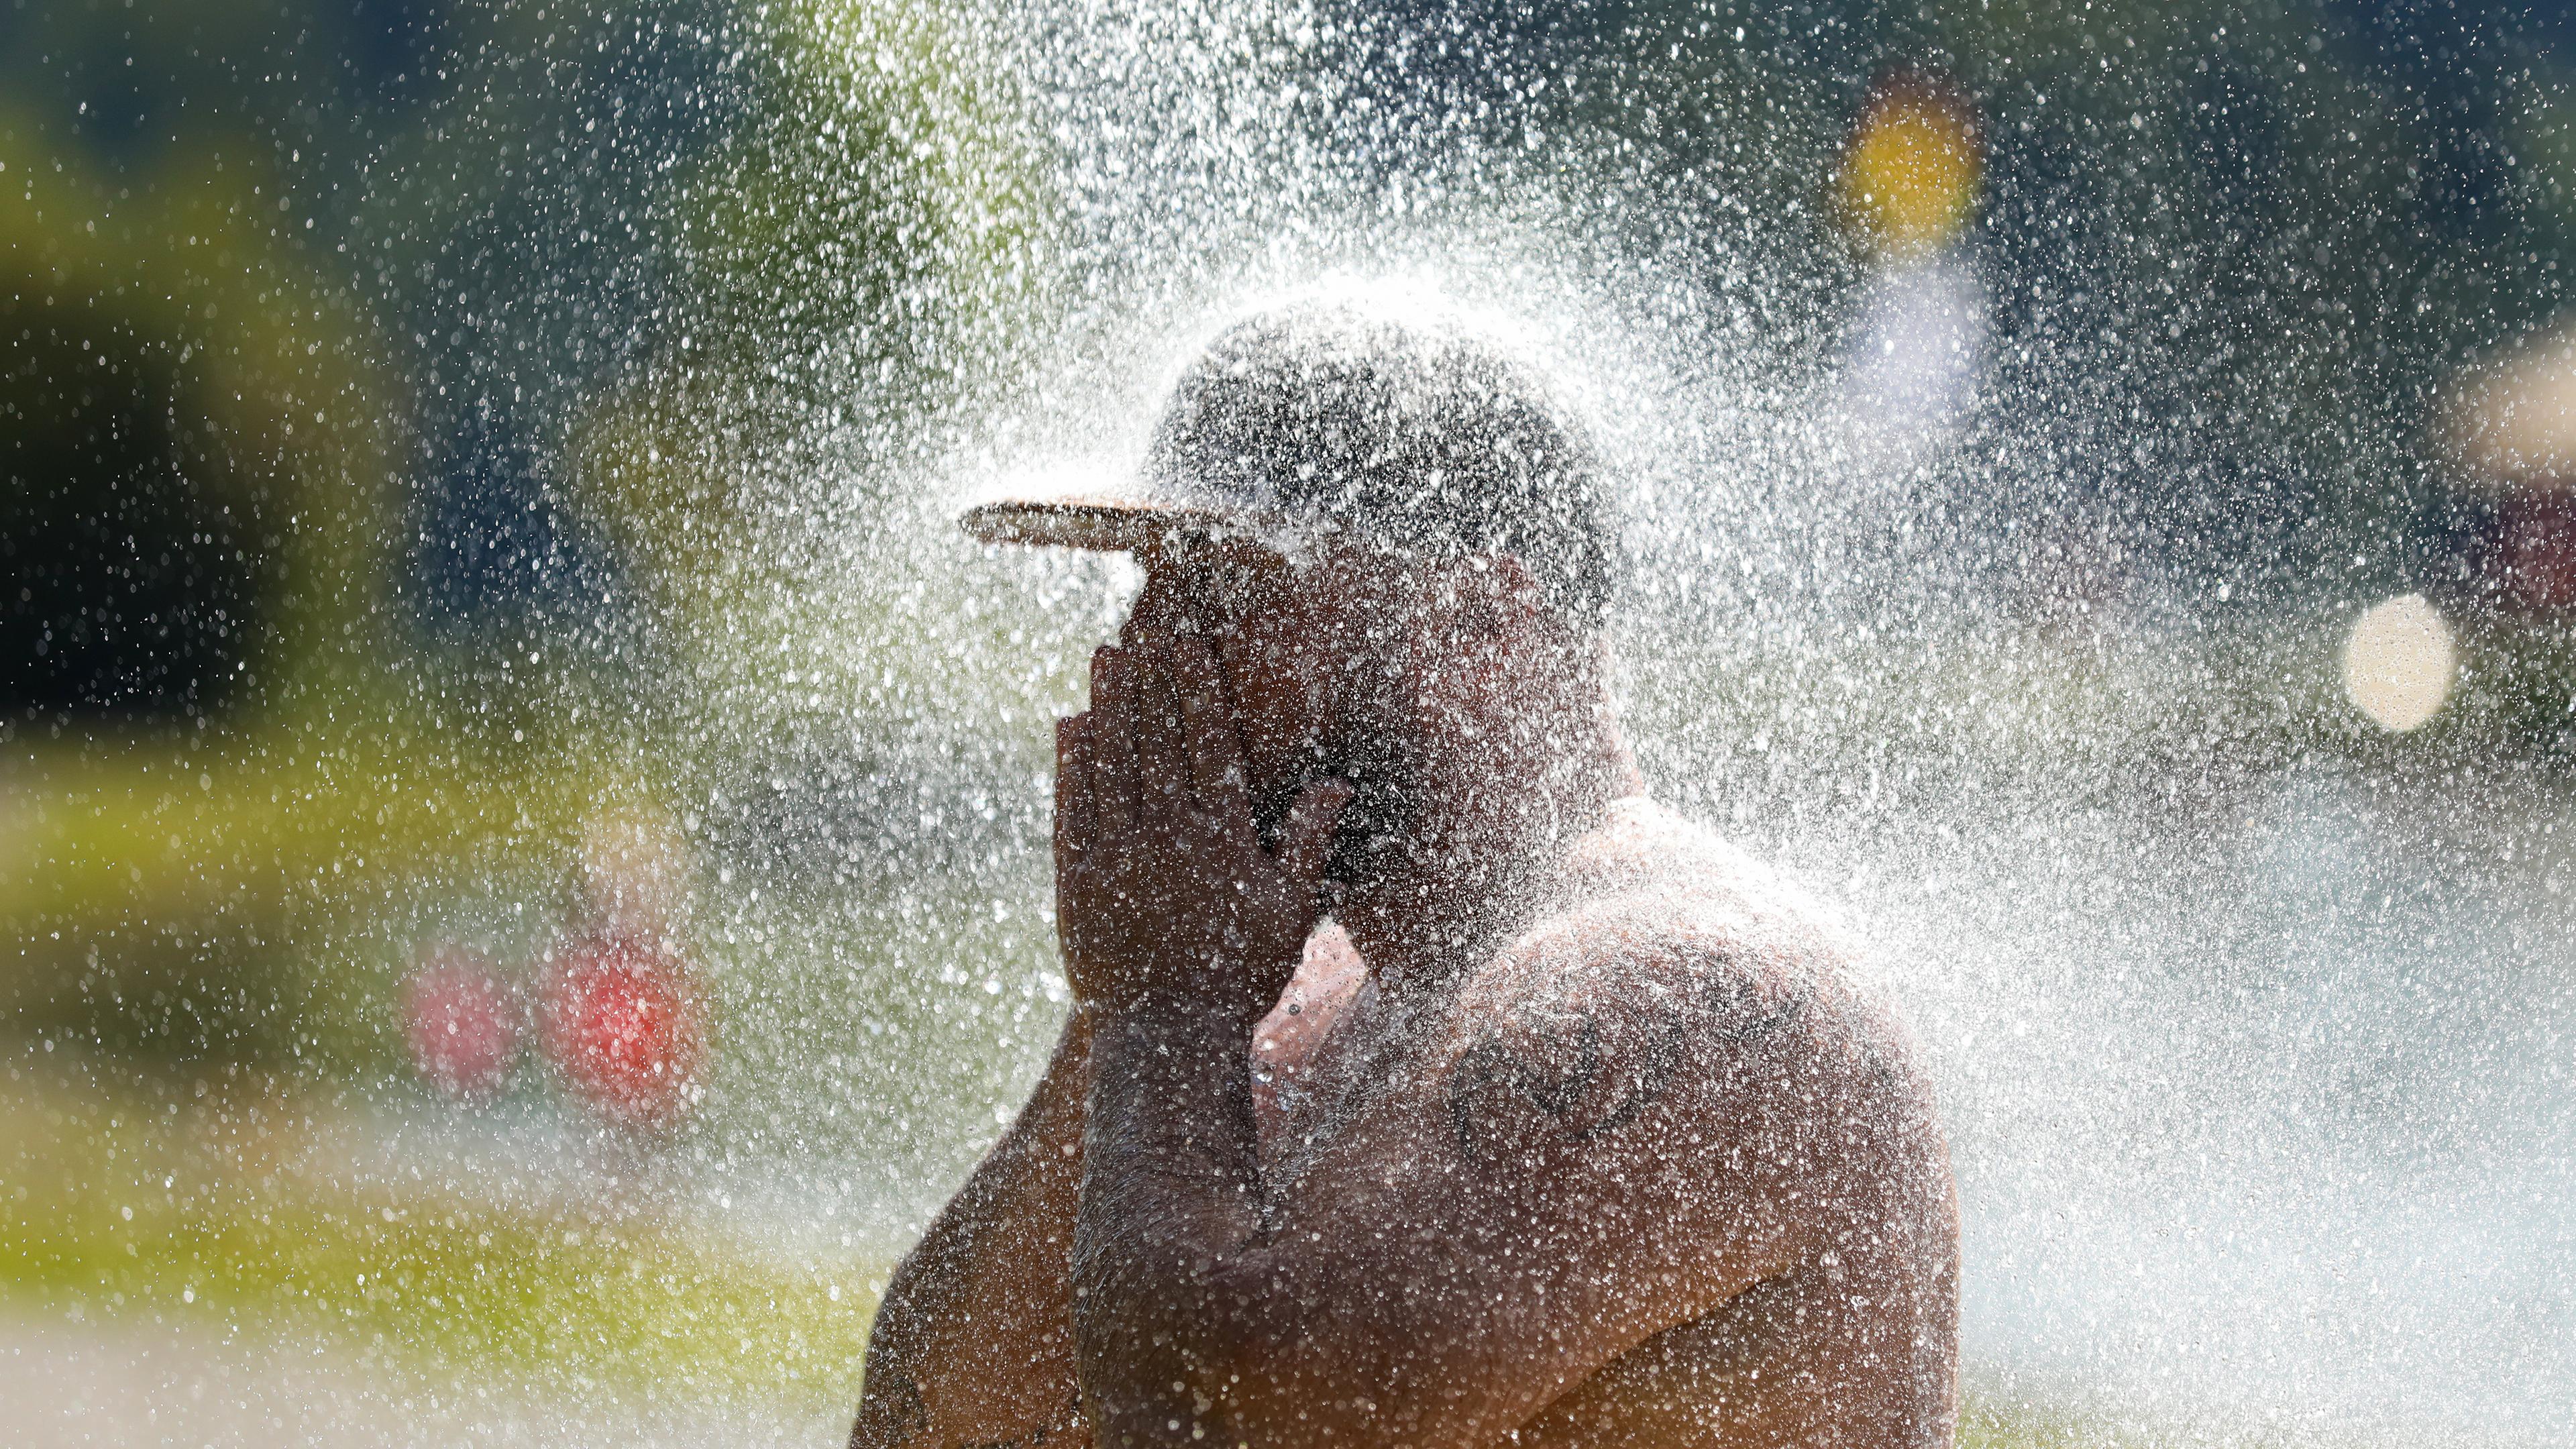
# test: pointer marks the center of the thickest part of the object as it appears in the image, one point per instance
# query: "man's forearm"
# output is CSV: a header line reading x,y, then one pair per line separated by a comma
x,y
1171,1203
972,1342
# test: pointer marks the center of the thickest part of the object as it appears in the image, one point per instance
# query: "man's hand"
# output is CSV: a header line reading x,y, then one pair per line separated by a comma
x,y
1165,899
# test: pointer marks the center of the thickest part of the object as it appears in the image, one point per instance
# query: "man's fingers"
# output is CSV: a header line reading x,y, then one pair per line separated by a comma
x,y
1109,741
1215,754
1162,767
1306,840
1073,786
1164,601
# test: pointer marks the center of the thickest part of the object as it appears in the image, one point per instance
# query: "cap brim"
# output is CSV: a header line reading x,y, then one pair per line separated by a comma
x,y
1093,523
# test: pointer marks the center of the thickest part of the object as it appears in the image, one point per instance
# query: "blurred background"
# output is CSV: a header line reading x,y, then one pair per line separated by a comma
x,y
521,820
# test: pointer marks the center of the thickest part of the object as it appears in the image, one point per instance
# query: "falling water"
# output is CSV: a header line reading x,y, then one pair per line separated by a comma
x,y
1994,570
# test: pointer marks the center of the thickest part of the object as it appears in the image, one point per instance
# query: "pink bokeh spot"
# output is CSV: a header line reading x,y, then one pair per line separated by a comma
x,y
461,1023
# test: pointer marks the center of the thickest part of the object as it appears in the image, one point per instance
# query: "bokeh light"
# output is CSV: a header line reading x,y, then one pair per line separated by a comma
x,y
2399,663
1912,168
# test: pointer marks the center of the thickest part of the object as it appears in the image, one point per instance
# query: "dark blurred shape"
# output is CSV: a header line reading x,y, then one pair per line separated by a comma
x,y
2512,426
130,554
461,1022
391,43
2534,553
494,548
1448,65
129,81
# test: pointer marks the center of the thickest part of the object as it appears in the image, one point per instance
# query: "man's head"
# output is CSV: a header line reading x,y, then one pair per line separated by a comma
x,y
1392,535
1418,440
1414,436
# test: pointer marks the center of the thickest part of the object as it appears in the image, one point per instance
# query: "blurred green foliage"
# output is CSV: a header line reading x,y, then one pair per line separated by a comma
x,y
880,213
220,879
279,385
276,388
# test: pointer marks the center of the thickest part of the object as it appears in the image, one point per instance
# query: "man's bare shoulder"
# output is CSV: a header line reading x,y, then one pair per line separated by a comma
x,y
1653,903
1674,972
1643,854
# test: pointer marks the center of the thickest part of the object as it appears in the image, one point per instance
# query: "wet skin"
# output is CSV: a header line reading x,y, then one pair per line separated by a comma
x,y
1567,1127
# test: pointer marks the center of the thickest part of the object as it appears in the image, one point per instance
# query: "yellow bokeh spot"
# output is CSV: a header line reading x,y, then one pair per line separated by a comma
x,y
1911,171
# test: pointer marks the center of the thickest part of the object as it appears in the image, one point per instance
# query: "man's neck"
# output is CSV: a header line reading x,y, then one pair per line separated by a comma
x,y
1469,882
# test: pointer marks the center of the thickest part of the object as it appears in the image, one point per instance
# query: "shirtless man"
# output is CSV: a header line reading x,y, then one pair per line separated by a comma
x,y
1426,1084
